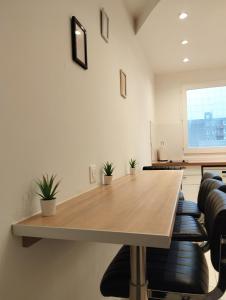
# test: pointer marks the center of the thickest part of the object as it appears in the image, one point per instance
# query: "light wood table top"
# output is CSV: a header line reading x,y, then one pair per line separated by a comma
x,y
135,210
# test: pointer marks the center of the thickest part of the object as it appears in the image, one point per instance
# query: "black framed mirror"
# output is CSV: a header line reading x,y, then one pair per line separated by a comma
x,y
79,43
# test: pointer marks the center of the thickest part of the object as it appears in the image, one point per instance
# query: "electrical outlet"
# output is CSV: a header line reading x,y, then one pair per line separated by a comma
x,y
92,174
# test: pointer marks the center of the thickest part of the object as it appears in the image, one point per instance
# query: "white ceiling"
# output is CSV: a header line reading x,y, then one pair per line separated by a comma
x,y
205,29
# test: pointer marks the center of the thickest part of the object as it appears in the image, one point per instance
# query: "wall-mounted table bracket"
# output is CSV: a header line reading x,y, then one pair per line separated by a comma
x,y
28,241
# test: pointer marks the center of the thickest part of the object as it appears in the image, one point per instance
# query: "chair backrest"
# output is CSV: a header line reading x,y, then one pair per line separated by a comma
x,y
222,188
162,168
211,175
205,188
215,223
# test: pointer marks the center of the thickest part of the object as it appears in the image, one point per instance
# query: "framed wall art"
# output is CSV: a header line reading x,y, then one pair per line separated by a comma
x,y
123,87
79,43
104,25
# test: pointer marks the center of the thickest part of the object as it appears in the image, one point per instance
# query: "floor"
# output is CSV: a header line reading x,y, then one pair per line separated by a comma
x,y
213,275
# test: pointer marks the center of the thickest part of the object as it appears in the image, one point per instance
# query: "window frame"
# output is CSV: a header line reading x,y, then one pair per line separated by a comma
x,y
198,150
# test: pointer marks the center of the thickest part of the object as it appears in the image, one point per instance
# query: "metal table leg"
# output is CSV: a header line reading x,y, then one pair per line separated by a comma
x,y
138,283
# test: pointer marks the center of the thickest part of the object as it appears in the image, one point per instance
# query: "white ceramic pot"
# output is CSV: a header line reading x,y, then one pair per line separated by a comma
x,y
107,179
132,171
48,207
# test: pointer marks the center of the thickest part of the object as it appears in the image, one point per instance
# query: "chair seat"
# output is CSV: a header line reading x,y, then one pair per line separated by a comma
x,y
187,228
189,208
182,268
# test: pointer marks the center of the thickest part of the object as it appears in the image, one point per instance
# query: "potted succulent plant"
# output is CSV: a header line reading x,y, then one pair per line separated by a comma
x,y
47,191
108,170
132,164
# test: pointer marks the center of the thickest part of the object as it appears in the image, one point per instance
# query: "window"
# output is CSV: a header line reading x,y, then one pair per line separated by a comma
x,y
206,119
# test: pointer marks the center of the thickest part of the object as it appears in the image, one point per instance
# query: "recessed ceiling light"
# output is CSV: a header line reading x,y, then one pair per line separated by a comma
x,y
77,32
186,60
184,42
183,15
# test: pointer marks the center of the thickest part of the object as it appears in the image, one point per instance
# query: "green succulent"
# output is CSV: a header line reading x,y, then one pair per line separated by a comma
x,y
47,187
108,168
133,163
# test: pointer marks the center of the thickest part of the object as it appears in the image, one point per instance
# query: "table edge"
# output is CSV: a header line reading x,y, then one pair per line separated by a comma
x,y
90,235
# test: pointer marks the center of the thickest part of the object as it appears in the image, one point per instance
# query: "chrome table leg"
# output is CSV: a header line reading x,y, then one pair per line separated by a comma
x,y
138,283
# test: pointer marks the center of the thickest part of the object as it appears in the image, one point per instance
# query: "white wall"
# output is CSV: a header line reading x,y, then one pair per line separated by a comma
x,y
169,108
56,117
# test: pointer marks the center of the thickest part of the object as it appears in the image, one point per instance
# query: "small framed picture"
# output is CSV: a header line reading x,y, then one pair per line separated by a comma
x,y
79,43
123,88
104,25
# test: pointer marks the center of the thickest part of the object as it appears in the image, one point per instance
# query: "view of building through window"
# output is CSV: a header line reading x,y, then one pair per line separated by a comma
x,y
206,116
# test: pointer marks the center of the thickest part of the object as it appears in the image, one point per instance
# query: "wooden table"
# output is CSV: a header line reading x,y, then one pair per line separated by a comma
x,y
137,210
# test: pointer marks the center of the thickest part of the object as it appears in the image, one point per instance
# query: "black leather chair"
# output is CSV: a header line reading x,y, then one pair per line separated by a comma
x,y
190,208
180,272
188,228
211,175
162,168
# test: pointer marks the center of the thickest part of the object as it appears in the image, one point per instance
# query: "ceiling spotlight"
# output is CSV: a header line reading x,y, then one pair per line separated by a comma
x,y
186,60
183,15
184,42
